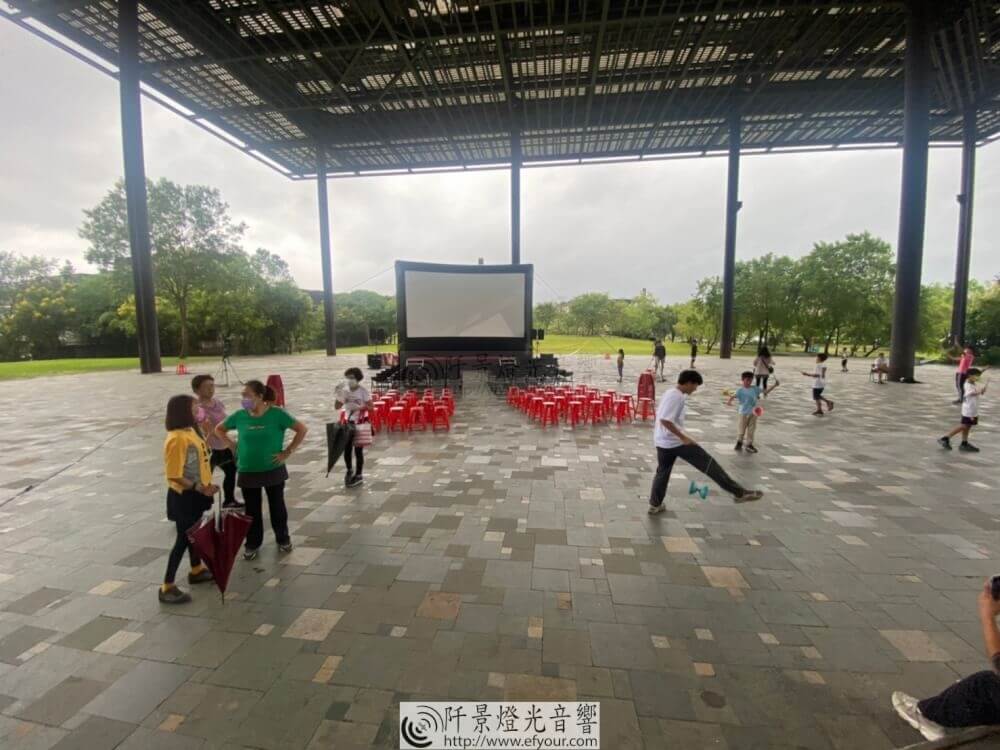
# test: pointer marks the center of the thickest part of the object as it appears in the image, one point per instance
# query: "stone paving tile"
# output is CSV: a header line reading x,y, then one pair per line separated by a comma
x,y
134,696
21,640
500,559
63,701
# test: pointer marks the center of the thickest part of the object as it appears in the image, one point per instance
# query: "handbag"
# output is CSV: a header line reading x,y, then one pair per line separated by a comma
x,y
363,436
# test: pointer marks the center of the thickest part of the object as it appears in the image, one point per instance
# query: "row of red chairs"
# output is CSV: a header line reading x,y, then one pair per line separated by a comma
x,y
578,404
408,411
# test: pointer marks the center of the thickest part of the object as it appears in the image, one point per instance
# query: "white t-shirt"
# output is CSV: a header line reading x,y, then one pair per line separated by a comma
x,y
880,362
761,365
354,400
671,408
819,381
970,400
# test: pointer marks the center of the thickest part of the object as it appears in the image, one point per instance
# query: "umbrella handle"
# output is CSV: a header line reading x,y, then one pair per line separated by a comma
x,y
217,510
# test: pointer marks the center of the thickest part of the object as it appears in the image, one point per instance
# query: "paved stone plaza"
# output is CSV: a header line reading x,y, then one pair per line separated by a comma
x,y
500,561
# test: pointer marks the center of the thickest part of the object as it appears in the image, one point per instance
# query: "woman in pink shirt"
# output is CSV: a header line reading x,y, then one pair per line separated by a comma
x,y
964,363
212,412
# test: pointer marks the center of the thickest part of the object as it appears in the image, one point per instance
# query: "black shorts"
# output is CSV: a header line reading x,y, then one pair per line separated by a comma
x,y
817,394
970,420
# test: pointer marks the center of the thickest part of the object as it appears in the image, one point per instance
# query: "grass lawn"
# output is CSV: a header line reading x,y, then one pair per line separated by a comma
x,y
40,367
557,343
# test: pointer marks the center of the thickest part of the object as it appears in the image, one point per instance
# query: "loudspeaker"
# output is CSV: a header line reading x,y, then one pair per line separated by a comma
x,y
374,361
379,335
537,334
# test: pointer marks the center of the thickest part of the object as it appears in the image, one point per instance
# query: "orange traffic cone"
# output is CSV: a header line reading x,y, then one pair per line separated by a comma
x,y
181,368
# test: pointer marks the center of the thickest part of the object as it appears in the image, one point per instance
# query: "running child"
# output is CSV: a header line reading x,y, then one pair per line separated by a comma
x,y
819,383
970,412
672,443
621,363
748,396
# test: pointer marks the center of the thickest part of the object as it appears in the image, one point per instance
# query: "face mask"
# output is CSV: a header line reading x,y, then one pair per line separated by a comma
x,y
247,403
352,383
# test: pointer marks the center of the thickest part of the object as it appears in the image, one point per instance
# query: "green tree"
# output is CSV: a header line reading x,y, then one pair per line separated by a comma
x,y
545,314
982,329
17,272
590,314
39,318
190,230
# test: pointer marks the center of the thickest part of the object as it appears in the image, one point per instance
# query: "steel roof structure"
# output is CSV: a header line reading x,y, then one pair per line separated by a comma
x,y
416,84
328,88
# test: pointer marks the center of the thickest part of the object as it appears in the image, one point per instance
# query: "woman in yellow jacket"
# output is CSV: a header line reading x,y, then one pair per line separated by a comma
x,y
189,494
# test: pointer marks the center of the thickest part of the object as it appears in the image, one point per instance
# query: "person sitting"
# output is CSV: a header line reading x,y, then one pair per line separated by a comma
x,y
970,702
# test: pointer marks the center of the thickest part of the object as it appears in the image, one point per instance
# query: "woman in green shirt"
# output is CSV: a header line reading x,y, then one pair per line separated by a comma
x,y
260,459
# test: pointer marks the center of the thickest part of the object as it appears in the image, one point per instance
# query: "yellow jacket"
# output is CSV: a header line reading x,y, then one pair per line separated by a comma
x,y
175,451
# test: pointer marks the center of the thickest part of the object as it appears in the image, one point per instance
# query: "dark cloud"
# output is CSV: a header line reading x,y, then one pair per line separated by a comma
x,y
616,228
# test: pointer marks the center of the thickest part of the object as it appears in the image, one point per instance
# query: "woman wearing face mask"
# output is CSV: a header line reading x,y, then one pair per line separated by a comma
x,y
261,458
189,493
353,400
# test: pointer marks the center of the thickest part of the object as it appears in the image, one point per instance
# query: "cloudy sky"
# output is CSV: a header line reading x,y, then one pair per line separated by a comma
x,y
613,228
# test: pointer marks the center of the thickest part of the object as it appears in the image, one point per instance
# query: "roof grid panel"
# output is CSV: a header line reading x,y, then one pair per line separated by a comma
x,y
427,82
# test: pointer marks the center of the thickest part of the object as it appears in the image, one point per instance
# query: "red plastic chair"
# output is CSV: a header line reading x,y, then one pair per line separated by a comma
x,y
441,417
550,414
274,382
622,412
645,408
596,413
417,417
398,418
577,412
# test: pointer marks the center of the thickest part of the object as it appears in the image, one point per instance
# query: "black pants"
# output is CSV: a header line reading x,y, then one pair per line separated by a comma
x,y
620,369
357,460
699,458
227,462
184,509
970,702
252,496
960,378
762,381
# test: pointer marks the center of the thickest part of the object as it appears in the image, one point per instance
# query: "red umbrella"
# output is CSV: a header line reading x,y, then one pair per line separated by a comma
x,y
217,540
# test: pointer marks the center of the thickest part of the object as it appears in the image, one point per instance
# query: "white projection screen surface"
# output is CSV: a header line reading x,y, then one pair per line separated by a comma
x,y
464,305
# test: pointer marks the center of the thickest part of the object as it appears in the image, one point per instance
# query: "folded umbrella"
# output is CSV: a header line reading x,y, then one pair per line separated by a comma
x,y
339,435
217,540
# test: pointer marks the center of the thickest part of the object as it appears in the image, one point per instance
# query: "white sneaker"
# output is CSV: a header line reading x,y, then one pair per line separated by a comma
x,y
906,707
654,509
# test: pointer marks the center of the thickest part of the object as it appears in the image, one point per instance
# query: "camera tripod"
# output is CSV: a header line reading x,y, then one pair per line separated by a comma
x,y
225,369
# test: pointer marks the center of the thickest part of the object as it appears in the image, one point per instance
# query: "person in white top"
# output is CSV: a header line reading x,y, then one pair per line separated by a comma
x,y
881,367
970,412
354,399
819,383
763,366
672,443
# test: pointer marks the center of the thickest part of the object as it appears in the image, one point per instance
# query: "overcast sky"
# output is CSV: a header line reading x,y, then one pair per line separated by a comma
x,y
612,228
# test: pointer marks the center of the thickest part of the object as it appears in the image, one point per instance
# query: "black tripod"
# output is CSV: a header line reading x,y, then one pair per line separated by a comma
x,y
225,369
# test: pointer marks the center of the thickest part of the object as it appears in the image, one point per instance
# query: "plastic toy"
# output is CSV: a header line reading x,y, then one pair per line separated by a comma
x,y
698,489
758,411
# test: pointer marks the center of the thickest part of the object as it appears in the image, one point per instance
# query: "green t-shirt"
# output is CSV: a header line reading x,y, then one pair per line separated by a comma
x,y
260,438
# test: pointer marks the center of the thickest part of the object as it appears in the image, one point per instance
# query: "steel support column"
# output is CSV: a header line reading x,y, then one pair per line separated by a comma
x,y
913,196
733,206
964,254
135,187
329,320
515,195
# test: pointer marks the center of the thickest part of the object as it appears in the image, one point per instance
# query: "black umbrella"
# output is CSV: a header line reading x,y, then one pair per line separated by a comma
x,y
339,436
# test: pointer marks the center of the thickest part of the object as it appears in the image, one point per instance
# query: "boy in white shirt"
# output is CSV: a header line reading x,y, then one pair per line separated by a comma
x,y
970,412
673,443
819,383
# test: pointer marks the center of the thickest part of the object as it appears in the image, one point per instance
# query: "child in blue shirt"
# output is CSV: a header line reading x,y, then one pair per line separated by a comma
x,y
748,396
